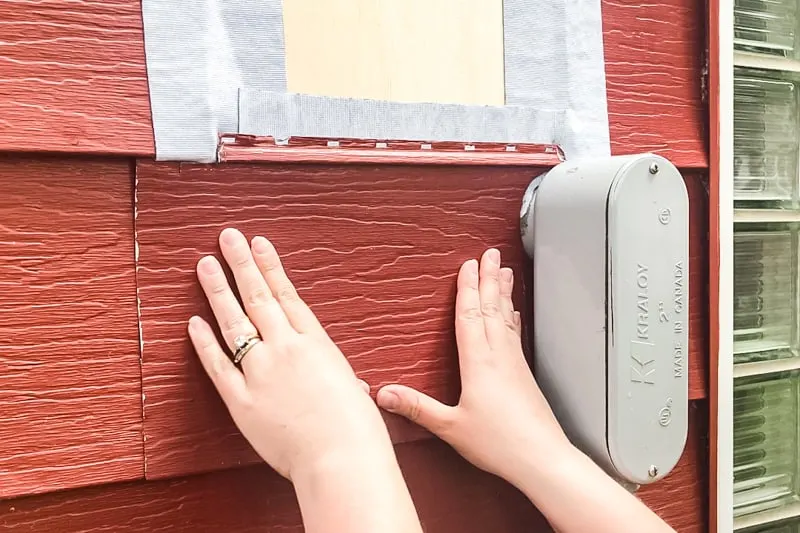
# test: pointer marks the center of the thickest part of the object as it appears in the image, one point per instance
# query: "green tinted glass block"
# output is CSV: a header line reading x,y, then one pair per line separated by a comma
x,y
784,526
765,442
766,137
766,26
765,292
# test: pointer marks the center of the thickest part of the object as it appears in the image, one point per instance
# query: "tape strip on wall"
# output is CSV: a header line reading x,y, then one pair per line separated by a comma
x,y
218,67
284,115
199,54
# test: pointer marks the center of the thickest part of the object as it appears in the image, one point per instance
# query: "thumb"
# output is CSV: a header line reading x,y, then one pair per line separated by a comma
x,y
416,406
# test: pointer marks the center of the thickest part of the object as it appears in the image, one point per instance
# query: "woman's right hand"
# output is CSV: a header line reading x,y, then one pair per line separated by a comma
x,y
502,422
502,418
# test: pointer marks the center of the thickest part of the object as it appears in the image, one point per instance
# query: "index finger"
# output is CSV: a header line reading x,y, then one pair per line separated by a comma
x,y
259,302
300,316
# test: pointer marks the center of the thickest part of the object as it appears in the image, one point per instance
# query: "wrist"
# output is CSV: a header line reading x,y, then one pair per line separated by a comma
x,y
356,437
359,490
557,468
369,450
575,494
563,479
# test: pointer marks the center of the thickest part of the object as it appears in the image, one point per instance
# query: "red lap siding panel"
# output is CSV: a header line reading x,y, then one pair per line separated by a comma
x,y
70,383
73,77
451,496
654,53
696,185
373,249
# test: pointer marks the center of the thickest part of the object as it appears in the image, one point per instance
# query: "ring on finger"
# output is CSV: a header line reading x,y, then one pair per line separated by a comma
x,y
243,344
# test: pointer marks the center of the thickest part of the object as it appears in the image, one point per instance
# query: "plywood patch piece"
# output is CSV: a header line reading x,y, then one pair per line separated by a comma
x,y
441,51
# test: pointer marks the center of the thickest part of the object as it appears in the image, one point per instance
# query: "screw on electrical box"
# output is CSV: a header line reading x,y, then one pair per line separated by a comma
x,y
653,471
653,168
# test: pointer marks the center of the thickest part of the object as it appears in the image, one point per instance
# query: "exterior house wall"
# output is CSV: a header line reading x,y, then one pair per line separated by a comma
x,y
108,423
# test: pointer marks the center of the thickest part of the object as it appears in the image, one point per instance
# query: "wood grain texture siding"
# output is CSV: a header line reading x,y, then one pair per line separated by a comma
x,y
654,55
373,249
73,77
70,380
450,495
697,188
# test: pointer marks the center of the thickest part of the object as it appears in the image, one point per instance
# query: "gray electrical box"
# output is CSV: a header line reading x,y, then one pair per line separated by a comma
x,y
609,239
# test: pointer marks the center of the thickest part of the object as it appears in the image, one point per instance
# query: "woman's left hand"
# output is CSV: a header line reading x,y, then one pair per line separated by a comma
x,y
296,399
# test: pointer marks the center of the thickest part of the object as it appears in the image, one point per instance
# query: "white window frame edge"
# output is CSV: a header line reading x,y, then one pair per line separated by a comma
x,y
724,359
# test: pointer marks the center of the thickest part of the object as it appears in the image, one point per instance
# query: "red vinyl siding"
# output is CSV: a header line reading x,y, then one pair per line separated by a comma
x,y
655,70
373,249
451,496
70,383
73,77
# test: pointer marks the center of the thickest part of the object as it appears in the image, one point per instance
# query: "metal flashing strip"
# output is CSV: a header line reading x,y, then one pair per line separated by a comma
x,y
218,67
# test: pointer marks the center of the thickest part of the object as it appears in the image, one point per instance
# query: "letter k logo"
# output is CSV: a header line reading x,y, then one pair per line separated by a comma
x,y
640,372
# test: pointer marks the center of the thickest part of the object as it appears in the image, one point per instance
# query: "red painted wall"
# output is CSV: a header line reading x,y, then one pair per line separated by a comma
x,y
98,436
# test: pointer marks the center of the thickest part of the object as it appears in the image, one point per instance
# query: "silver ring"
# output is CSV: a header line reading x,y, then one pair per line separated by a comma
x,y
243,344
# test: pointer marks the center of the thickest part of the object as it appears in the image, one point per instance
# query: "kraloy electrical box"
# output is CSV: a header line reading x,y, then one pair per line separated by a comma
x,y
609,242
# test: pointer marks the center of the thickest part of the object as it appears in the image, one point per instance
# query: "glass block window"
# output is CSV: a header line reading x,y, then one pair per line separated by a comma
x,y
765,141
766,26
765,442
790,526
765,292
765,182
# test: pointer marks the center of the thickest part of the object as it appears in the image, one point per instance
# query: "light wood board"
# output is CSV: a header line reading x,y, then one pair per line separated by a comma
x,y
445,51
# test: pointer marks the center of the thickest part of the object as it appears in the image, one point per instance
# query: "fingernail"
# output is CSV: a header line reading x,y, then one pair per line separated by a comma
x,y
230,236
388,400
194,323
472,268
507,275
260,245
209,265
494,256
